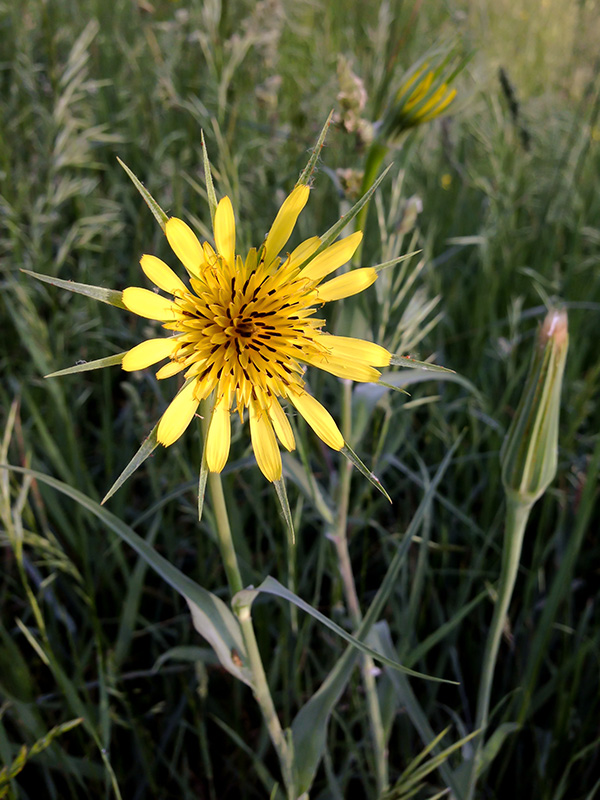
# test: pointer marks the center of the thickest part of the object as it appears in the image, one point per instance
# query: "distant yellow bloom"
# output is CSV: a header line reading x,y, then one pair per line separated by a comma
x,y
245,328
423,95
446,180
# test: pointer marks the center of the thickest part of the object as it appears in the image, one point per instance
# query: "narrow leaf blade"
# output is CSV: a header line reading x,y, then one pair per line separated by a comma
x,y
212,618
272,586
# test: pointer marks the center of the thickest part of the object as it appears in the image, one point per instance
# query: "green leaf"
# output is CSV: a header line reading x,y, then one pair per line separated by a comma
x,y
86,366
309,728
159,214
211,617
409,377
271,787
410,782
308,170
186,653
493,745
421,650
149,444
272,586
349,453
110,296
407,699
11,771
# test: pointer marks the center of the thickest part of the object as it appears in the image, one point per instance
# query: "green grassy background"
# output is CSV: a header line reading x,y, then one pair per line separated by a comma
x,y
85,628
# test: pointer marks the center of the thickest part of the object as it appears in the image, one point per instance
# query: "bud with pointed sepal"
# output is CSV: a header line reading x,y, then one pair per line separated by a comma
x,y
529,452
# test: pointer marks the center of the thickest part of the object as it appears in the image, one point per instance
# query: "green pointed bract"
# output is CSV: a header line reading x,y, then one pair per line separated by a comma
x,y
530,450
363,469
158,213
86,366
210,187
202,487
110,296
285,507
406,361
307,172
335,230
148,446
387,264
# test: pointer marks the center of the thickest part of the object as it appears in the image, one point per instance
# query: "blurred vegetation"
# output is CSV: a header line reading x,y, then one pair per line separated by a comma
x,y
502,197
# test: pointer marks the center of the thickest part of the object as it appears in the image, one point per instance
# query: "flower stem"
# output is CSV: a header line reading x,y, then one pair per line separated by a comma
x,y
517,514
259,679
340,540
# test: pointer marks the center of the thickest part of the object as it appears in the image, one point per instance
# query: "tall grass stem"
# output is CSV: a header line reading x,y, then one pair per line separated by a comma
x,y
345,568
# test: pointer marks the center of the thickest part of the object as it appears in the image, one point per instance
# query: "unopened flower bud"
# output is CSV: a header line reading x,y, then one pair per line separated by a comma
x,y
529,452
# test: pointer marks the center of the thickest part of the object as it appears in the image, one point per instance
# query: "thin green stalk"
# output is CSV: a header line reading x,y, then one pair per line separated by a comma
x,y
373,164
226,546
259,679
291,575
340,540
517,514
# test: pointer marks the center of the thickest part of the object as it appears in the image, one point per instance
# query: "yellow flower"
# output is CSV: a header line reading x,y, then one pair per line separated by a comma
x,y
423,95
245,329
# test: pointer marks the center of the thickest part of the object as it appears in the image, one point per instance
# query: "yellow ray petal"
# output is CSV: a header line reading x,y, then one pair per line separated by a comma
x,y
178,415
305,250
264,443
345,347
332,258
353,282
147,353
149,304
224,226
162,275
425,115
282,426
345,368
218,438
170,369
319,419
185,245
284,223
420,91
